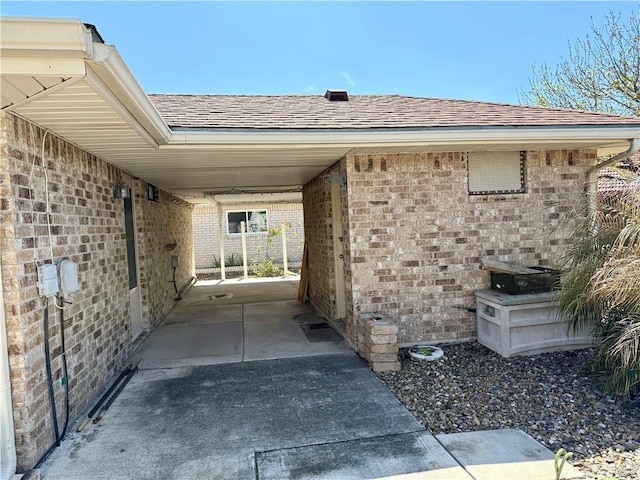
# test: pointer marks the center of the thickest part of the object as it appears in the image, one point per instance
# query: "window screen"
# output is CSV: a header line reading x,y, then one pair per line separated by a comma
x,y
496,172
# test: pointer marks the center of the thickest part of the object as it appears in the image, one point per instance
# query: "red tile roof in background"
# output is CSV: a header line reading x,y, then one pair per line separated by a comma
x,y
613,181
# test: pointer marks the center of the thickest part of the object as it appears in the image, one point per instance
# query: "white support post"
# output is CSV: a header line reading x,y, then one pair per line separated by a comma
x,y
284,249
7,429
221,236
244,249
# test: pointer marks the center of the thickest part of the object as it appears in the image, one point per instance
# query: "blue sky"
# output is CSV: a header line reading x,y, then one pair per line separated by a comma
x,y
466,50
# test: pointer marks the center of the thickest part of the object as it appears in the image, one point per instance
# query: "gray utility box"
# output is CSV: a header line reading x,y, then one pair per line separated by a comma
x,y
523,324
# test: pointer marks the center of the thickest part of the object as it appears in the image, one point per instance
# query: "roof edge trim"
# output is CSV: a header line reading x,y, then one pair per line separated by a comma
x,y
589,135
111,69
66,36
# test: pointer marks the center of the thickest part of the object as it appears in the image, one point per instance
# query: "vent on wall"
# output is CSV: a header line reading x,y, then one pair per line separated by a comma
x,y
336,96
153,193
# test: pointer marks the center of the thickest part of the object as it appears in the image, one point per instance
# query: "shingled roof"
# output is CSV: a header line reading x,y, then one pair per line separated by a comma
x,y
303,112
614,181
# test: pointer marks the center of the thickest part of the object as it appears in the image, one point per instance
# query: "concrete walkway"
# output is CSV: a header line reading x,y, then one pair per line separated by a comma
x,y
247,391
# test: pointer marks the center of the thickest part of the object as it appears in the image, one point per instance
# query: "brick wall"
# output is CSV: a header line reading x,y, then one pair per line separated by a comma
x,y
87,226
161,225
206,234
415,236
318,231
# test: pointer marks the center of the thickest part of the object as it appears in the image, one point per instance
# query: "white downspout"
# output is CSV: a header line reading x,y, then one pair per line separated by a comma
x,y
592,173
7,438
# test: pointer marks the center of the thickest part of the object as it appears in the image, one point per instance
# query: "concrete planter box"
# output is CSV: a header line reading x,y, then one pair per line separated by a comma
x,y
523,324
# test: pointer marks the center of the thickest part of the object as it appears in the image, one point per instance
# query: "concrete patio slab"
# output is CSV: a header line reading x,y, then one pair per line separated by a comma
x,y
503,455
242,290
182,345
415,456
274,330
208,421
200,314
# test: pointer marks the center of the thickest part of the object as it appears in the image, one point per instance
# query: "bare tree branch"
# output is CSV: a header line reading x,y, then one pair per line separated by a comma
x,y
601,72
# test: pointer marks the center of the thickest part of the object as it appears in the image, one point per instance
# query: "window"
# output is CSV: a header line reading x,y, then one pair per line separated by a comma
x,y
496,172
255,222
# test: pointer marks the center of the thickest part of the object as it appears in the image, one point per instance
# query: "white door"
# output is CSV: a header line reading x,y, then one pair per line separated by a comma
x,y
338,250
132,260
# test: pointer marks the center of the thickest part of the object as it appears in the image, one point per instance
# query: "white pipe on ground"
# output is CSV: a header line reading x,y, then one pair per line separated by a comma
x,y
7,434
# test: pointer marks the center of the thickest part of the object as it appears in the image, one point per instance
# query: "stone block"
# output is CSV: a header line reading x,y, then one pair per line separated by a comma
x,y
382,357
380,339
385,366
384,348
380,327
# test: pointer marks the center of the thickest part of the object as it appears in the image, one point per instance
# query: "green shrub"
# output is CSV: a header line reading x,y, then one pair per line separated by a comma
x,y
600,288
267,268
232,260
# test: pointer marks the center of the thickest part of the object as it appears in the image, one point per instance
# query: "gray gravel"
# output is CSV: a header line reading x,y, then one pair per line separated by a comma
x,y
550,396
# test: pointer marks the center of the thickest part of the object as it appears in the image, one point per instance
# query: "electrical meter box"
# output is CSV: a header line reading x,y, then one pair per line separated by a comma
x,y
47,279
68,272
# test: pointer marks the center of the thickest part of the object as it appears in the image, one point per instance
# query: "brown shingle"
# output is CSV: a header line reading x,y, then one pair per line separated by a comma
x,y
362,112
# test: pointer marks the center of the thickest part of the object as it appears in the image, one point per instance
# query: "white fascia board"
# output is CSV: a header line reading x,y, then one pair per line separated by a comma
x,y
590,136
43,47
113,72
31,36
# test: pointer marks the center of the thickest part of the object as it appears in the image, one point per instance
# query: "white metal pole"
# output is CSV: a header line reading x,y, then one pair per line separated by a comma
x,y
284,249
244,249
221,237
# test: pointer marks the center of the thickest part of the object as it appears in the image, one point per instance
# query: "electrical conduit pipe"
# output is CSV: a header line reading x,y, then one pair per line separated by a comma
x,y
7,438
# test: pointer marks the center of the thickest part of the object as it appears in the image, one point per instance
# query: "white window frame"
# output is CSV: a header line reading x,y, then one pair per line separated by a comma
x,y
249,230
508,167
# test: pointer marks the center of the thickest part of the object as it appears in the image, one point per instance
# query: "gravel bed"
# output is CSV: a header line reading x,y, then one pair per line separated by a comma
x,y
550,396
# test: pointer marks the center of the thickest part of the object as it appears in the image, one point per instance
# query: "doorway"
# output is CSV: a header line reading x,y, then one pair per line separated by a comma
x,y
132,261
338,249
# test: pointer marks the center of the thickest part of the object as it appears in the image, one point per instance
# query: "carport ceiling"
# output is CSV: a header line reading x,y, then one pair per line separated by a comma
x,y
60,76
77,112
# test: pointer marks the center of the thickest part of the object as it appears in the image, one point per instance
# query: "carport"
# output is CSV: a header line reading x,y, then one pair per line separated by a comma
x,y
67,80
77,117
102,173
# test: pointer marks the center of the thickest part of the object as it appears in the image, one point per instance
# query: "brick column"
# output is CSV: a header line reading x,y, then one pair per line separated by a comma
x,y
378,342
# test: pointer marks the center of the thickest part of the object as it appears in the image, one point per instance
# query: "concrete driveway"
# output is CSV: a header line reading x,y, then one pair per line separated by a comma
x,y
247,391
